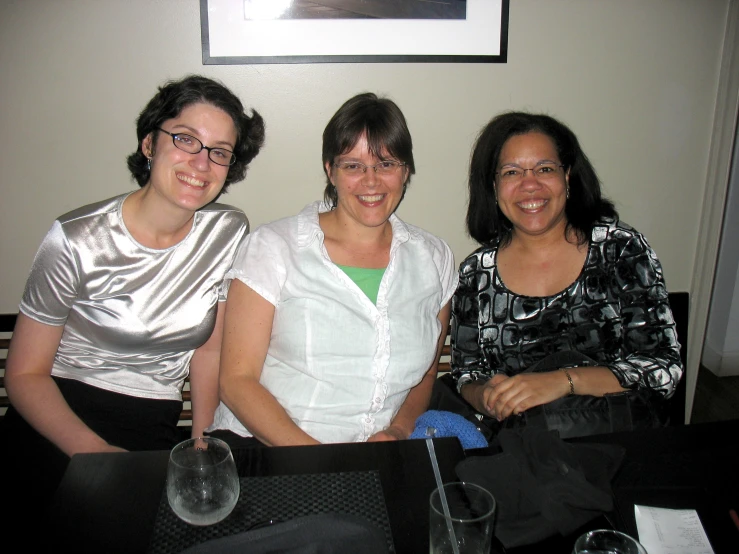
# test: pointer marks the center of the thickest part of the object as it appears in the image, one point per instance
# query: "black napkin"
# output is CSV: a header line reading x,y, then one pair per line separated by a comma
x,y
543,485
313,534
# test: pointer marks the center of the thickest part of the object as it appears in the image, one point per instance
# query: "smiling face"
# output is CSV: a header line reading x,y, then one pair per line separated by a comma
x,y
535,205
368,199
189,181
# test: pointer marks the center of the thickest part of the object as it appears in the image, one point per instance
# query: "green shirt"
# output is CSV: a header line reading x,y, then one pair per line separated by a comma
x,y
367,279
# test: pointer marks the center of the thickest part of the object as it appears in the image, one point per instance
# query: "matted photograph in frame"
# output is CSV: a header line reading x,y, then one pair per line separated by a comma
x,y
353,31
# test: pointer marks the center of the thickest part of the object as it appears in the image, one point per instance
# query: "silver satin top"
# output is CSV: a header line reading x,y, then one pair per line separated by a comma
x,y
132,315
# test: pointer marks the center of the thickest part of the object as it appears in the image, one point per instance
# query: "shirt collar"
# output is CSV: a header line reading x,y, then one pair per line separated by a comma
x,y
310,230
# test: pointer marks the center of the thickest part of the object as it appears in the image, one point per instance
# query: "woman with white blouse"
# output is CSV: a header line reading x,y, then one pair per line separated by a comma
x,y
336,317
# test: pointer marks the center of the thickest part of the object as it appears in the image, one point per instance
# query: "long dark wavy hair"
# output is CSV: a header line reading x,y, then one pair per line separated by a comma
x,y
486,223
174,97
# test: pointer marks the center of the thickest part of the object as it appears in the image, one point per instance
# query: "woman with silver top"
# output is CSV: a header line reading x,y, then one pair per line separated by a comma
x,y
336,317
558,274
124,299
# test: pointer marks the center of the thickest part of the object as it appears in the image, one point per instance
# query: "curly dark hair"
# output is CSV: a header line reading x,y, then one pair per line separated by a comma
x,y
384,125
175,96
486,223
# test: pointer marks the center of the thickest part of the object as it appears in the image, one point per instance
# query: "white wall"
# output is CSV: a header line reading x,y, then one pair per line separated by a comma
x,y
635,79
721,346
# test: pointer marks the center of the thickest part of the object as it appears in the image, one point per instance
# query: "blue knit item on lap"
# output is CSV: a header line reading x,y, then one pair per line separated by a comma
x,y
449,424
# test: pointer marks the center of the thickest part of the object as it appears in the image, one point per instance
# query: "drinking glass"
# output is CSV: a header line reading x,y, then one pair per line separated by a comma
x,y
468,527
202,483
607,541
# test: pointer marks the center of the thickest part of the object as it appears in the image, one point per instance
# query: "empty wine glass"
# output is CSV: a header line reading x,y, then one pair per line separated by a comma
x,y
202,483
607,541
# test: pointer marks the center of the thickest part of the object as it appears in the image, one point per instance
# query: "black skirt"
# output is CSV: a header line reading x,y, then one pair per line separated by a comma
x,y
31,466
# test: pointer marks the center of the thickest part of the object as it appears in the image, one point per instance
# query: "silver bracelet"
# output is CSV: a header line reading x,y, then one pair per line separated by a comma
x,y
467,379
462,381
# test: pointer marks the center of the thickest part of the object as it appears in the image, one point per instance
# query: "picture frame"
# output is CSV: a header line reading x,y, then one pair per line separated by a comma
x,y
229,38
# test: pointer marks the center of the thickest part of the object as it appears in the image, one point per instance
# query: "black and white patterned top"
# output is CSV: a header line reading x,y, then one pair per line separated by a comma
x,y
616,313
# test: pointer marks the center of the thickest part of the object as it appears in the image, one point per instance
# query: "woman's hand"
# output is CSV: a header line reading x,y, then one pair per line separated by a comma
x,y
392,433
503,396
36,396
111,448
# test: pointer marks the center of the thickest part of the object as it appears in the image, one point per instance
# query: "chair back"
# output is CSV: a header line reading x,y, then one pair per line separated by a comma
x,y
7,324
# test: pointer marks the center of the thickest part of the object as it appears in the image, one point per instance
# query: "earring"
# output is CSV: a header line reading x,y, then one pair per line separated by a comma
x,y
567,193
148,164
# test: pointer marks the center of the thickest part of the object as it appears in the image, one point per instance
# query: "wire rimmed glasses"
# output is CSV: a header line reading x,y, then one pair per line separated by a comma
x,y
512,174
191,145
355,169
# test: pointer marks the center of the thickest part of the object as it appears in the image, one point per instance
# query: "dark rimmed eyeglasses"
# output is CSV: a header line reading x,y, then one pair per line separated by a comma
x,y
191,145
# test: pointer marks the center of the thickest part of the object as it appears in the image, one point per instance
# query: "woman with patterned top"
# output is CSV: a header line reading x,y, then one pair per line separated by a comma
x,y
125,296
336,317
557,273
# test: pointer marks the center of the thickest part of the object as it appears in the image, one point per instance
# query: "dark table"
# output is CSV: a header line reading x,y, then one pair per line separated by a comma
x,y
680,467
693,466
108,502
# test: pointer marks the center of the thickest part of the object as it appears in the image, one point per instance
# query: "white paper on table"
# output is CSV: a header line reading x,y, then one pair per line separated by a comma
x,y
666,531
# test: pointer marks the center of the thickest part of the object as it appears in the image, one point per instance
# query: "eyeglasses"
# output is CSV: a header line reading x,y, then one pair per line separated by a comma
x,y
355,169
513,174
191,145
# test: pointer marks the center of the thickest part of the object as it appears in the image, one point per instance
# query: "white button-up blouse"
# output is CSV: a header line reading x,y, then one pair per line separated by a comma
x,y
340,365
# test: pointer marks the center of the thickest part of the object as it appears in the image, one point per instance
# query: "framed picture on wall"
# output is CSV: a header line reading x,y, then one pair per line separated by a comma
x,y
353,31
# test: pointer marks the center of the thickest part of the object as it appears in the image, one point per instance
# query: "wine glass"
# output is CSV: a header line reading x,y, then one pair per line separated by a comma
x,y
607,541
202,483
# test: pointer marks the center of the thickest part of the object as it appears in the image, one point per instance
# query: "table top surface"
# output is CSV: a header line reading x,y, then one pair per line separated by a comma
x,y
109,502
679,467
